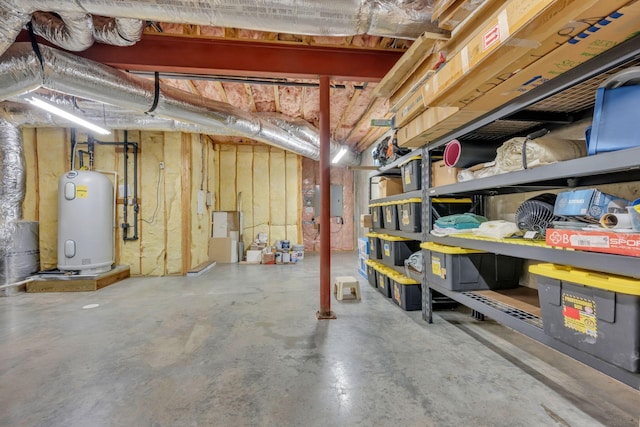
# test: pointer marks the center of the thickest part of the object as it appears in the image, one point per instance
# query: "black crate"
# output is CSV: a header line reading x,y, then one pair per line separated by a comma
x,y
412,174
371,276
390,216
406,293
384,283
396,249
377,217
375,249
602,322
410,215
460,269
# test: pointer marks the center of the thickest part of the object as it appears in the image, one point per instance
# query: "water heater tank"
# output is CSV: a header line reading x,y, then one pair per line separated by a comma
x,y
85,222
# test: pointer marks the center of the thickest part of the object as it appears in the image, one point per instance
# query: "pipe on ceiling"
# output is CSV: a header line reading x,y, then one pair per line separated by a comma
x,y
22,73
71,31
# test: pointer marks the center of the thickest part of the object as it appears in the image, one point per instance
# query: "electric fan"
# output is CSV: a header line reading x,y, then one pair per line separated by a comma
x,y
536,214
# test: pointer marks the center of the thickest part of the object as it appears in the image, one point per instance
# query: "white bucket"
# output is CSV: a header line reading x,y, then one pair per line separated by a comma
x,y
297,251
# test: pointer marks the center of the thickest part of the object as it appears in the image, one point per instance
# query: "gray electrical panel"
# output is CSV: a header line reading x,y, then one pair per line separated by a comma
x,y
336,200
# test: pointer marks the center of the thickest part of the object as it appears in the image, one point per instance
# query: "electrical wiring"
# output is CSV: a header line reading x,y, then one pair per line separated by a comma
x,y
155,212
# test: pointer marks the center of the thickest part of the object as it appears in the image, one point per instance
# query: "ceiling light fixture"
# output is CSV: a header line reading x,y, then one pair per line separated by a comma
x,y
338,156
65,115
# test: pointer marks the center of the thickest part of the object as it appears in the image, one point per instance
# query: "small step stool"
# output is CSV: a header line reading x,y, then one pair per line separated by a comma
x,y
346,282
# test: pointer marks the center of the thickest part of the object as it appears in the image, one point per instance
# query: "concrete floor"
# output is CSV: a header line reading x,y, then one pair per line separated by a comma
x,y
241,345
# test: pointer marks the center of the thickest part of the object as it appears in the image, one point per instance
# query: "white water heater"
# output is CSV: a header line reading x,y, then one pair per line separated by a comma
x,y
85,222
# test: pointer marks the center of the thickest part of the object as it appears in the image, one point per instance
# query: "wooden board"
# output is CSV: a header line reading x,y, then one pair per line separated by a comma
x,y
421,48
79,284
523,298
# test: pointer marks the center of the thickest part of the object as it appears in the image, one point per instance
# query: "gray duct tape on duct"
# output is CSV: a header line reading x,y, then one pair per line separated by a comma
x,y
463,154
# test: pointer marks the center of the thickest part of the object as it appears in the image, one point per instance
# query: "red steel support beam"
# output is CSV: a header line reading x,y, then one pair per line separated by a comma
x,y
180,54
325,201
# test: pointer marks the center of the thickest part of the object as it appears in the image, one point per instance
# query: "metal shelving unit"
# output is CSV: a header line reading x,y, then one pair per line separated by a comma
x,y
398,233
608,263
570,97
398,197
616,166
531,326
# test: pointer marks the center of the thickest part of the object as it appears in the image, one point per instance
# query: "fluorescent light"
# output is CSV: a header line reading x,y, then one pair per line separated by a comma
x,y
338,156
65,115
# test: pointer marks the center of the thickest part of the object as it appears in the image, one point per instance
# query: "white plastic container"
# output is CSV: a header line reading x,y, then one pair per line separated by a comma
x,y
85,222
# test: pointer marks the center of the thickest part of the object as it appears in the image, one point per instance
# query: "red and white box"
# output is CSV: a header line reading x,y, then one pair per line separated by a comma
x,y
607,242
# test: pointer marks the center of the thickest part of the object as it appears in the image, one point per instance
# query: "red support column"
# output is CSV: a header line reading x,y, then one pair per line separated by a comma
x,y
325,200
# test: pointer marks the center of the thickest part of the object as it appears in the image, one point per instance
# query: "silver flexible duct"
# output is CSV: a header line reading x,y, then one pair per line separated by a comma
x,y
86,79
386,18
23,115
12,187
117,31
12,19
71,31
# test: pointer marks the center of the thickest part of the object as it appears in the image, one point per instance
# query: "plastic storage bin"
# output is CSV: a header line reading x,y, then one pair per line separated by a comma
x,y
460,269
396,249
411,174
390,216
616,113
377,217
410,215
406,292
593,312
371,273
384,283
375,248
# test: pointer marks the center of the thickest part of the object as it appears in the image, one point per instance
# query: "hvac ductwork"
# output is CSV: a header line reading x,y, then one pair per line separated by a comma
x,y
386,18
19,255
21,73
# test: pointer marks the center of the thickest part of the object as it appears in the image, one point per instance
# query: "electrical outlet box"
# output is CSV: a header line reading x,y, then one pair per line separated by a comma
x,y
209,198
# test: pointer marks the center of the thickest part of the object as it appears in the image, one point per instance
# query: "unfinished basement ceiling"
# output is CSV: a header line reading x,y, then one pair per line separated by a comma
x,y
353,105
352,102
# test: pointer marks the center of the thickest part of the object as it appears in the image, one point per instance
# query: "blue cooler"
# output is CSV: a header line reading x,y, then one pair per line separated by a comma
x,y
616,113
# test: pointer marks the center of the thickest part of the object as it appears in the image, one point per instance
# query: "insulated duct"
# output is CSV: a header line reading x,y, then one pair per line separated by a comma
x,y
22,73
19,254
72,31
386,18
12,187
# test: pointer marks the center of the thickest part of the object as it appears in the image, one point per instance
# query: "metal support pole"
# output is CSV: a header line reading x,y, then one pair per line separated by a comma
x,y
325,200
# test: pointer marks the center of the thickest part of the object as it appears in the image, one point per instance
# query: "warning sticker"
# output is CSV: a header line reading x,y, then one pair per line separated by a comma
x,y
406,219
82,191
396,293
436,268
381,282
580,315
407,178
387,249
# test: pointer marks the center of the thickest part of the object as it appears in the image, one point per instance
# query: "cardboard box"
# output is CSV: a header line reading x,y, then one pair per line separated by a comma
x,y
389,186
523,32
268,258
608,242
224,222
442,174
223,249
585,33
254,256
366,221
412,135
589,204
409,107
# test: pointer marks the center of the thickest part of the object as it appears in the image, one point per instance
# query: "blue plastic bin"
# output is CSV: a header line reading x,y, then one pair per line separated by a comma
x,y
616,113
